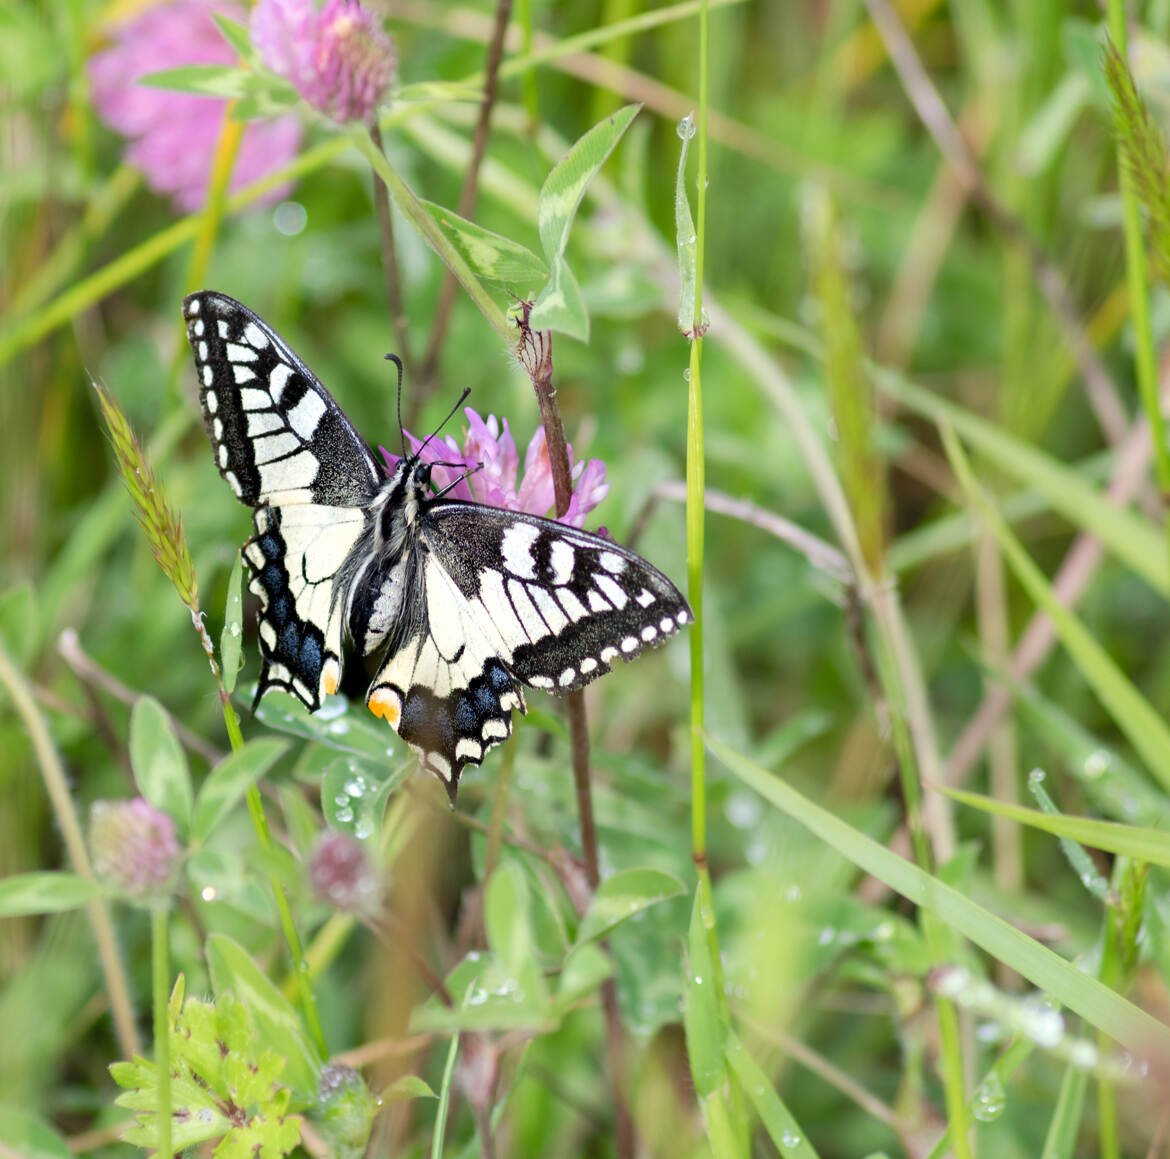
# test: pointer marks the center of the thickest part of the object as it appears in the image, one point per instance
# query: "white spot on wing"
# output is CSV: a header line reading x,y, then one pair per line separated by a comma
x,y
516,549
222,455
253,334
288,475
561,559
211,402
217,428
263,423
649,632
666,624
611,561
198,327
268,633
556,620
233,482
587,665
237,353
243,374
598,602
278,379
567,677
193,306
304,417
203,350
645,598
495,729
253,399
529,617
608,654
274,447
612,590
574,609
468,750
540,681
208,374
629,643
222,327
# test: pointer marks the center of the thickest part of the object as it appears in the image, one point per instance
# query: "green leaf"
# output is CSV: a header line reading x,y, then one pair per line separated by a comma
x,y
236,34
230,780
584,971
160,765
624,894
409,1086
1061,1140
205,80
1095,1003
231,641
338,725
45,893
234,970
19,631
778,1120
507,919
23,1133
701,1020
354,791
1134,715
565,186
1134,841
560,306
490,255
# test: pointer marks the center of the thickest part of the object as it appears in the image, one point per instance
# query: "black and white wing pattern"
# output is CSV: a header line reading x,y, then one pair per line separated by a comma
x,y
463,604
512,599
287,450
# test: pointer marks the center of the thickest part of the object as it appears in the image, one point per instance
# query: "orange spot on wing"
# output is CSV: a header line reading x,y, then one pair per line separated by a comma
x,y
330,677
386,703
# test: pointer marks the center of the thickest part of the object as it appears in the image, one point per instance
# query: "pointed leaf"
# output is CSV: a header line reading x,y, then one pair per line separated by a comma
x,y
230,780
233,969
565,186
160,766
1134,841
236,34
1094,1002
409,1086
490,255
45,893
704,1028
624,894
782,1127
206,80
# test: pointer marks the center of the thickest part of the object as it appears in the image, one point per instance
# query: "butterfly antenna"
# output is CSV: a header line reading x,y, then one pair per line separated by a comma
x,y
418,454
401,433
467,473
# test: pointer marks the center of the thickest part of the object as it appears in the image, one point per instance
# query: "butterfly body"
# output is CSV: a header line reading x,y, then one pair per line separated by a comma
x,y
466,603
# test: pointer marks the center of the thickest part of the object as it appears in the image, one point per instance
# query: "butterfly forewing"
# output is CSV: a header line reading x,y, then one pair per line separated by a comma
x,y
286,449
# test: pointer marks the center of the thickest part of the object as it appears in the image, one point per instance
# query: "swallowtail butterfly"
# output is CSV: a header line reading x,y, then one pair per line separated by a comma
x,y
464,603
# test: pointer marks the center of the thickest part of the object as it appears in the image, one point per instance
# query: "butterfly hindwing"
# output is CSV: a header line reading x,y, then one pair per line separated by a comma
x,y
277,434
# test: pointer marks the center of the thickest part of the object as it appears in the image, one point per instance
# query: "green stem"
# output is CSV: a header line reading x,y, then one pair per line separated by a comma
x,y
1137,281
160,986
53,773
499,809
416,213
264,836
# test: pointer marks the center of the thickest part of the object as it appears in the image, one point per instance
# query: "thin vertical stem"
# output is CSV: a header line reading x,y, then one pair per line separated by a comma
x,y
390,260
1137,281
53,773
468,194
160,987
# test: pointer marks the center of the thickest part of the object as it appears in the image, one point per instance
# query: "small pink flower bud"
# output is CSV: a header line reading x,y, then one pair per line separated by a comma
x,y
341,872
134,848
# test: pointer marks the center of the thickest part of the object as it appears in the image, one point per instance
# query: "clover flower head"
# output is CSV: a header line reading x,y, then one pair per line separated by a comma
x,y
340,58
488,456
134,848
341,872
173,135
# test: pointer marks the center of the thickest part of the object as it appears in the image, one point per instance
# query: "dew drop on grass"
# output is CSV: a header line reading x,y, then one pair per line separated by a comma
x,y
989,1099
1097,763
1083,1053
686,128
1040,1021
1036,777
790,1139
